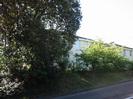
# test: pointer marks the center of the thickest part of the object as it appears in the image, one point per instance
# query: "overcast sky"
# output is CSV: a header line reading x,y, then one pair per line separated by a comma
x,y
109,20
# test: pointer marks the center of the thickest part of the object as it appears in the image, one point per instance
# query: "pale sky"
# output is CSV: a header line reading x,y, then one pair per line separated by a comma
x,y
109,20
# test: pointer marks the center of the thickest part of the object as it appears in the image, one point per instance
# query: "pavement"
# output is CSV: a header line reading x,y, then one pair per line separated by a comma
x,y
119,91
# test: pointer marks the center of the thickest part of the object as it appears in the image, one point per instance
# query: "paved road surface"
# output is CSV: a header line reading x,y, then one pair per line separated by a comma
x,y
119,91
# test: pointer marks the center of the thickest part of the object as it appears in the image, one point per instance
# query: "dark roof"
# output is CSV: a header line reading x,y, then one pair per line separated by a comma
x,y
84,38
124,46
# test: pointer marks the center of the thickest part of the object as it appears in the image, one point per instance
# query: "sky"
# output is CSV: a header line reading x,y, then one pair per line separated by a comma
x,y
109,20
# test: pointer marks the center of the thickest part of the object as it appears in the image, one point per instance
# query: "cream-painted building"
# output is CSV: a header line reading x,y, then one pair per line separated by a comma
x,y
128,53
82,43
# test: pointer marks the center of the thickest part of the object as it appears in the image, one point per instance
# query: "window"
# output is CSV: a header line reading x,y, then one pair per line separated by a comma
x,y
124,52
130,52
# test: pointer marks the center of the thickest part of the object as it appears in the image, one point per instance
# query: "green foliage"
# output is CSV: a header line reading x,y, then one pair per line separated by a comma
x,y
9,87
39,33
2,60
78,65
18,61
103,57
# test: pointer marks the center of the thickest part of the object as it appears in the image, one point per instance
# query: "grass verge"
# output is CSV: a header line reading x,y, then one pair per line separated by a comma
x,y
75,82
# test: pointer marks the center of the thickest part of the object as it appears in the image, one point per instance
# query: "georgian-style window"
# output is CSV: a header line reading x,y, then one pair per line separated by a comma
x,y
124,52
130,52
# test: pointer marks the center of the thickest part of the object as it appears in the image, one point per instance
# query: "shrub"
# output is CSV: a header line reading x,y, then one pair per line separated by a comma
x,y
2,60
9,87
103,57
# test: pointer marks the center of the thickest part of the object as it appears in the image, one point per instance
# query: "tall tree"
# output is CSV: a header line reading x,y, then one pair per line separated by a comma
x,y
39,33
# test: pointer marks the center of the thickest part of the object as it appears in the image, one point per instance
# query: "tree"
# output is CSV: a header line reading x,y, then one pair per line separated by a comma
x,y
2,60
39,34
103,57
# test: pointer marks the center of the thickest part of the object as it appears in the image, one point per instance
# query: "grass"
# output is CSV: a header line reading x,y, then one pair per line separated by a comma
x,y
75,82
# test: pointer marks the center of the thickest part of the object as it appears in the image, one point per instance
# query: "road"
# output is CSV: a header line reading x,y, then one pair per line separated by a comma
x,y
119,91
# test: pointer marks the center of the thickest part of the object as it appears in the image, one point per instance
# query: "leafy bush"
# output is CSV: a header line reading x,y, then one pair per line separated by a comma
x,y
79,65
103,57
9,87
2,60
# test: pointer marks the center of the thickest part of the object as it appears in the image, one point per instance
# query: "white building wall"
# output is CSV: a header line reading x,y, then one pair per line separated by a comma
x,y
128,53
77,48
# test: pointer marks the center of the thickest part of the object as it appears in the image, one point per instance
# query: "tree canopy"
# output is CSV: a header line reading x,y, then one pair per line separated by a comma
x,y
38,33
